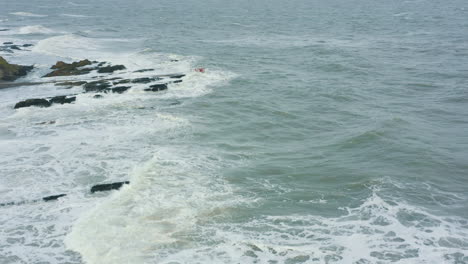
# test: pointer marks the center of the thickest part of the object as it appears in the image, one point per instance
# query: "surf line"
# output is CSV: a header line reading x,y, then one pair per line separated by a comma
x,y
96,188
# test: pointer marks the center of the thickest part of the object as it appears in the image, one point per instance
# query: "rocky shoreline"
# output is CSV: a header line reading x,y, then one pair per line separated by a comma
x,y
105,84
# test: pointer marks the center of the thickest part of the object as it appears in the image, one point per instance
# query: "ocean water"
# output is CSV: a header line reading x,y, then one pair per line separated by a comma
x,y
321,132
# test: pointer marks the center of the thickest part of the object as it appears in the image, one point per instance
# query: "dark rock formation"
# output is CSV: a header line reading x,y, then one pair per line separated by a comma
x,y
157,87
177,81
62,99
177,76
97,86
120,89
98,96
10,72
42,102
108,186
66,69
27,45
145,80
7,43
110,69
33,102
53,197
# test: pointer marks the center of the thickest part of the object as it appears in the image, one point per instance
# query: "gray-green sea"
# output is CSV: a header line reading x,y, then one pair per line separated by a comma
x,y
320,132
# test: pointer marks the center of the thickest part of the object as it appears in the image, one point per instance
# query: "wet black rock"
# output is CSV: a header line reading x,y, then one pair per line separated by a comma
x,y
33,102
43,102
7,43
62,99
98,96
144,70
110,69
4,29
177,81
15,47
53,197
178,76
145,80
157,87
97,86
27,45
120,89
108,186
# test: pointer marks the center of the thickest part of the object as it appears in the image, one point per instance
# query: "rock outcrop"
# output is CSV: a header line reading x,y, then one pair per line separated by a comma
x,y
11,72
108,186
66,69
46,102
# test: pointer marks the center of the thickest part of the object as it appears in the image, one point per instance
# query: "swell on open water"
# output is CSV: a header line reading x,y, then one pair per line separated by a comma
x,y
320,132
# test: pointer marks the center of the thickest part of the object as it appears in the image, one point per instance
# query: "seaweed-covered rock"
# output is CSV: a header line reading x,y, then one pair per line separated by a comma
x,y
110,69
97,86
33,102
66,69
10,72
157,87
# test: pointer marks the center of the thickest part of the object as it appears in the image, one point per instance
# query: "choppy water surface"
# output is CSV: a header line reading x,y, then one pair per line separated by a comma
x,y
321,132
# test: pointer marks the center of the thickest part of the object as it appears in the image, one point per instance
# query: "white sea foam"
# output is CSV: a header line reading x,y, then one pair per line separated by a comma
x,y
36,29
27,14
74,15
166,200
375,232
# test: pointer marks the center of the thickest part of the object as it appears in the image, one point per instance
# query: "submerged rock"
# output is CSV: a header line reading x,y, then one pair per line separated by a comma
x,y
7,43
66,69
157,87
33,102
110,69
77,83
108,186
11,72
